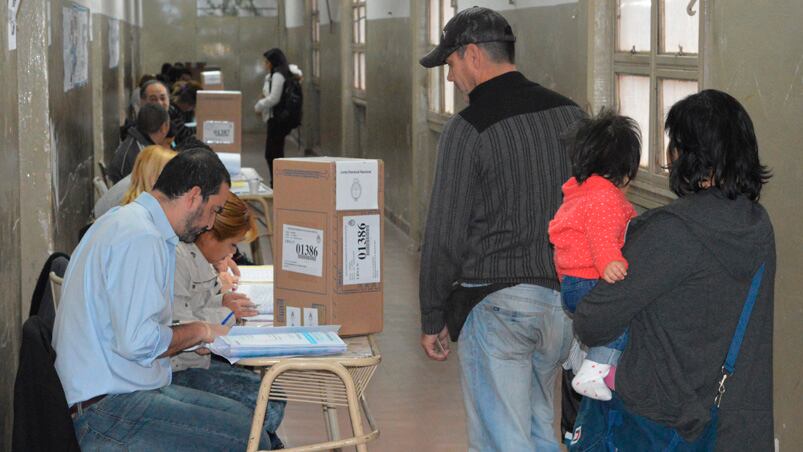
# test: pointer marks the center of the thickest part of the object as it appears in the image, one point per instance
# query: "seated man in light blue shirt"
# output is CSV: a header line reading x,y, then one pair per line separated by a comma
x,y
113,334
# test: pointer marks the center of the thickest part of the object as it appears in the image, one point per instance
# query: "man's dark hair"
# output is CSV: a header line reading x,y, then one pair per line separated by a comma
x,y
144,79
711,138
196,167
497,51
151,118
145,86
608,145
165,68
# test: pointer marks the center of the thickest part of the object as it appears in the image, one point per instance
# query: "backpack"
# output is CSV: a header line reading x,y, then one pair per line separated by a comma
x,y
290,105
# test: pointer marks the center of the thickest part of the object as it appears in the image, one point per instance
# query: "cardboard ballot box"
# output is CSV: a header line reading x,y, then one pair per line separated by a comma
x,y
212,80
218,115
328,240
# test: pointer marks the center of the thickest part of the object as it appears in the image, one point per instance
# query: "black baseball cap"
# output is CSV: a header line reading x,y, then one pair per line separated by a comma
x,y
474,25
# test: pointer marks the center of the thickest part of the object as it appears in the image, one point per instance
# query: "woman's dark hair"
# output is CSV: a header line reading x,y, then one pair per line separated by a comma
x,y
711,138
278,62
194,167
186,93
165,68
608,145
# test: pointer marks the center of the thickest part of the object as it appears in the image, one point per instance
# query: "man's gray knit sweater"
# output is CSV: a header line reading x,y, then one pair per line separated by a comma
x,y
501,164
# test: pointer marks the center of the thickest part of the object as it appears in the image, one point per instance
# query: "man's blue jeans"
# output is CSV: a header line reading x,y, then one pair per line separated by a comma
x,y
235,383
169,418
572,291
511,349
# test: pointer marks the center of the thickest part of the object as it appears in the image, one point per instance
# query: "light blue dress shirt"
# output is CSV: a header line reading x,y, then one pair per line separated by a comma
x,y
114,317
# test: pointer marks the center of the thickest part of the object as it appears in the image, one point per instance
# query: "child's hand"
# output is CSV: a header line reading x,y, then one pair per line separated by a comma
x,y
615,271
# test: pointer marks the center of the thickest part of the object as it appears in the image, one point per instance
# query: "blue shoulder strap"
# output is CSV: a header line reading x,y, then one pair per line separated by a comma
x,y
741,327
736,343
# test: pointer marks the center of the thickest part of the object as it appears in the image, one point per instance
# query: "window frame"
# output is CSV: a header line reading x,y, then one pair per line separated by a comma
x,y
358,48
440,114
315,41
651,186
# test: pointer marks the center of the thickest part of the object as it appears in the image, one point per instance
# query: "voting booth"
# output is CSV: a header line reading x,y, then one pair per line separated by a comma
x,y
212,80
328,243
219,119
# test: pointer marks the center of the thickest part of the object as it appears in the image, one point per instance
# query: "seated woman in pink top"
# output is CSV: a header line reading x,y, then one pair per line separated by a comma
x,y
588,230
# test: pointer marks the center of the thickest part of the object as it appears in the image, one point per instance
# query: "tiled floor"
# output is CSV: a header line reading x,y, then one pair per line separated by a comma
x,y
416,402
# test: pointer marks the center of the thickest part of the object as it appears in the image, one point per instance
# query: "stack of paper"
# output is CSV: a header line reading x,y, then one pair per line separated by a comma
x,y
262,296
256,281
250,342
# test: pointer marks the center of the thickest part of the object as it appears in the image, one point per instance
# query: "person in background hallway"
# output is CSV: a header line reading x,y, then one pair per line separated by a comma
x,y
500,166
691,264
134,104
147,168
184,97
156,92
152,127
114,335
201,295
278,71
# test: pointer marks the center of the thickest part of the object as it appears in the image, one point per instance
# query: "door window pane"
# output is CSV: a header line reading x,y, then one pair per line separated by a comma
x,y
434,21
448,12
434,89
633,98
670,92
679,30
362,25
362,70
633,25
356,71
448,91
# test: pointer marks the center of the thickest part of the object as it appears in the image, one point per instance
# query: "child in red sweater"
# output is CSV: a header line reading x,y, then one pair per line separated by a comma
x,y
588,230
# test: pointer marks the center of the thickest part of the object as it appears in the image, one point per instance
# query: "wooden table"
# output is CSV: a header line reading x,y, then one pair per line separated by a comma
x,y
331,381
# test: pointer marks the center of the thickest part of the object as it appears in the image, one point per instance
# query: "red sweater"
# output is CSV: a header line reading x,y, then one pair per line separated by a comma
x,y
588,230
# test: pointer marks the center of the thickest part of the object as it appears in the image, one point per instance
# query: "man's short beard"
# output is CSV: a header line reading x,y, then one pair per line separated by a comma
x,y
192,232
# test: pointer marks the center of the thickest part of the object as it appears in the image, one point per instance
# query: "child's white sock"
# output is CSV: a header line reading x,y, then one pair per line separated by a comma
x,y
589,381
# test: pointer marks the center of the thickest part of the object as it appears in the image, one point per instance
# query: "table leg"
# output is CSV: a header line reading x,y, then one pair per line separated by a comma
x,y
332,426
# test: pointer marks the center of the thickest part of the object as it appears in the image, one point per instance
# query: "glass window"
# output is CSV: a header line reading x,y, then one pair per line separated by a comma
x,y
671,91
439,89
358,38
633,99
633,25
649,81
679,29
315,27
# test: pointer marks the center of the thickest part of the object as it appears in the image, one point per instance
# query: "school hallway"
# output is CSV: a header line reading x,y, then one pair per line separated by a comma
x,y
70,78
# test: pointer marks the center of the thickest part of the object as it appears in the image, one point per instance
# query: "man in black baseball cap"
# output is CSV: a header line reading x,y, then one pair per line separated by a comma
x,y
471,26
487,274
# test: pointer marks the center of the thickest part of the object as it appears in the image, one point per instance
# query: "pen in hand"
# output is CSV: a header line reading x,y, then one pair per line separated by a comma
x,y
227,318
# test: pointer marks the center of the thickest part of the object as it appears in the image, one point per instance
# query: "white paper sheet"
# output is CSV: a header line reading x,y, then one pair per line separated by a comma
x,y
302,250
211,77
256,273
293,316
357,184
260,294
361,250
231,161
310,317
218,132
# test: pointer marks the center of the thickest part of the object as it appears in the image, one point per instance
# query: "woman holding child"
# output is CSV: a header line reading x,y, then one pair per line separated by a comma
x,y
690,266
